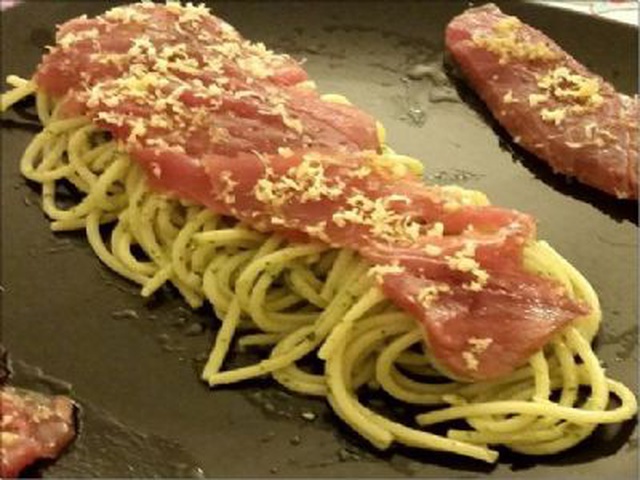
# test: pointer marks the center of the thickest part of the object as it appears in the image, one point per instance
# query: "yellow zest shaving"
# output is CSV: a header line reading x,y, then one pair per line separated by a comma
x,y
505,41
478,346
577,94
464,261
305,182
428,295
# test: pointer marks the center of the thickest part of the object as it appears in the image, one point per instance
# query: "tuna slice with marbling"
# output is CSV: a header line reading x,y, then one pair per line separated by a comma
x,y
550,104
33,427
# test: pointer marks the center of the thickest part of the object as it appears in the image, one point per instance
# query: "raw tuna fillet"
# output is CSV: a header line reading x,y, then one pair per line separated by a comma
x,y
33,426
174,83
456,267
547,101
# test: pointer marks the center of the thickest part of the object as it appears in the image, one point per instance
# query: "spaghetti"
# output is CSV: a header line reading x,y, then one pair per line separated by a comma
x,y
297,300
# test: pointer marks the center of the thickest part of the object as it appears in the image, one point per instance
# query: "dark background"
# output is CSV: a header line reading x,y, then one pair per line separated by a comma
x,y
134,365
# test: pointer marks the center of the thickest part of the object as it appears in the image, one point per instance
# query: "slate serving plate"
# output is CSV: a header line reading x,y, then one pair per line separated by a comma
x,y
133,364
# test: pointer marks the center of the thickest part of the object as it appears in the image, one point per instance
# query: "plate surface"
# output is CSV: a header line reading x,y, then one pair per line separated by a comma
x,y
139,360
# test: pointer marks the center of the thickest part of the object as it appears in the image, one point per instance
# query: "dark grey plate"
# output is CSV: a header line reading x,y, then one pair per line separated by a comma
x,y
64,312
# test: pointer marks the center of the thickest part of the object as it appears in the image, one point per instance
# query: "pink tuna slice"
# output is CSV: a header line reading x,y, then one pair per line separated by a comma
x,y
550,104
472,335
33,426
